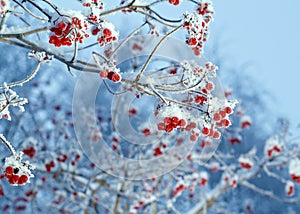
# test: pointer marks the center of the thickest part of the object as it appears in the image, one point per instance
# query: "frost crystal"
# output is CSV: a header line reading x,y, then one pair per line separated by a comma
x,y
8,97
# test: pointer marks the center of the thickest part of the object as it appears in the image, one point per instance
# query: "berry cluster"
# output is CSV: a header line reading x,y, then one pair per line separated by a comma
x,y
159,149
12,174
199,99
171,123
221,117
110,72
218,116
29,151
206,8
16,171
245,163
65,32
211,132
106,31
49,165
197,26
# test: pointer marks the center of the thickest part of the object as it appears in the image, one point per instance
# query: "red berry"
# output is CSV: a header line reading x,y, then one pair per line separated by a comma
x,y
188,128
169,128
216,135
192,42
193,125
61,25
146,132
161,126
211,132
205,131
181,123
209,86
175,120
9,170
228,110
116,77
23,179
217,116
110,75
167,120
103,74
225,122
157,151
223,114
106,32
193,138
14,179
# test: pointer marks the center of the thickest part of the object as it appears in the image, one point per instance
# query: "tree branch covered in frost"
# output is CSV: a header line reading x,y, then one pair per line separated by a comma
x,y
191,114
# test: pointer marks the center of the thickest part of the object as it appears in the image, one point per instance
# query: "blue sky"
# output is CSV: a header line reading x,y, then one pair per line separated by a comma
x,y
266,33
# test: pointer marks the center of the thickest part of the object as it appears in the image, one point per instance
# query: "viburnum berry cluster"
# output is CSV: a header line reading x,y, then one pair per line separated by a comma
x,y
206,8
65,31
108,70
197,25
106,32
171,123
17,172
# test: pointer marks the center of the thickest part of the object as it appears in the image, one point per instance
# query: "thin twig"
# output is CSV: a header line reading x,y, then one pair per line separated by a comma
x,y
29,12
16,35
28,78
9,146
153,51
